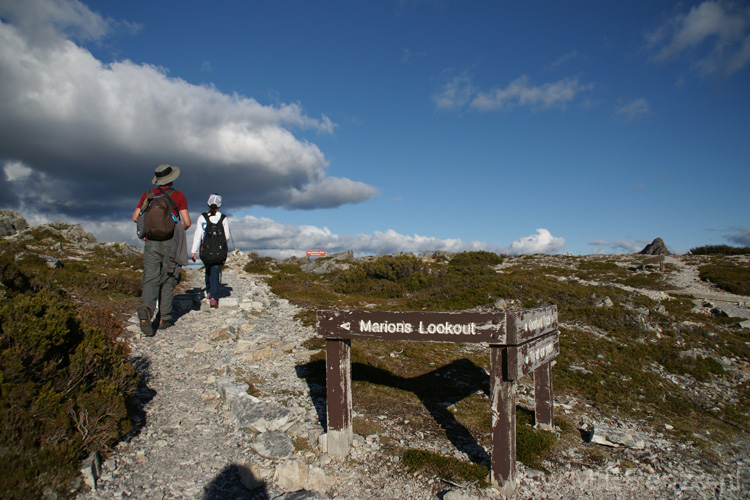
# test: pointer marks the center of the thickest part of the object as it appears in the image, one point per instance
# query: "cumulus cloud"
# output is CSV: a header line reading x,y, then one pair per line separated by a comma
x,y
43,21
714,35
541,242
93,132
277,239
521,92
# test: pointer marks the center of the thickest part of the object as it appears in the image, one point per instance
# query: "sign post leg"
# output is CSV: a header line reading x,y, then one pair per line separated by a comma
x,y
543,397
503,408
339,396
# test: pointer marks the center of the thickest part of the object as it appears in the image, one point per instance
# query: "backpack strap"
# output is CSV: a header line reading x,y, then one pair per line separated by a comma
x,y
169,198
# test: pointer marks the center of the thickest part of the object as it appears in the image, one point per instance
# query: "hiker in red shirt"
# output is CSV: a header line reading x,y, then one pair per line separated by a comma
x,y
162,260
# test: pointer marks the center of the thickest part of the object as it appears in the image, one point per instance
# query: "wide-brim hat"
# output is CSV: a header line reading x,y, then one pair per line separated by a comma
x,y
164,174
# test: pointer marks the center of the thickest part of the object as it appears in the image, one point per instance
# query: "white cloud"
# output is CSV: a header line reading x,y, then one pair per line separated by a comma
x,y
521,92
460,92
633,110
715,35
43,21
541,242
454,94
565,58
277,239
96,131
16,171
329,193
269,237
280,240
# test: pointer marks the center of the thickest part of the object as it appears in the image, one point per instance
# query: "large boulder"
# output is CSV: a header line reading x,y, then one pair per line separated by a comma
x,y
656,247
337,261
11,223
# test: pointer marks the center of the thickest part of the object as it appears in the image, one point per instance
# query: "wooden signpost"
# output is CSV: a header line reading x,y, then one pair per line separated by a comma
x,y
653,259
520,342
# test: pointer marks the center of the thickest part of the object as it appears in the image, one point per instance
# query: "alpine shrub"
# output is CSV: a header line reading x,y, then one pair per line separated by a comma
x,y
64,389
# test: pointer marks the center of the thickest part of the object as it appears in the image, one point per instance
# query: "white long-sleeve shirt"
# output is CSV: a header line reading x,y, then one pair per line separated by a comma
x,y
200,230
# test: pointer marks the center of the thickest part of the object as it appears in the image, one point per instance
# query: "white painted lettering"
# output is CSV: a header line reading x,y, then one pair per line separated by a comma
x,y
384,327
538,323
447,328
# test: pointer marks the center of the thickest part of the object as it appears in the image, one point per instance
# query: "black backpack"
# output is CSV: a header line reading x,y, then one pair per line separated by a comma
x,y
156,220
214,246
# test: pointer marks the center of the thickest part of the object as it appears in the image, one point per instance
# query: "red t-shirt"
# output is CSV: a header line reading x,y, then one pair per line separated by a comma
x,y
177,197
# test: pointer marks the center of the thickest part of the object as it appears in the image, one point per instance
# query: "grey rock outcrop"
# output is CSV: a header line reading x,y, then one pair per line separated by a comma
x,y
11,223
326,265
656,247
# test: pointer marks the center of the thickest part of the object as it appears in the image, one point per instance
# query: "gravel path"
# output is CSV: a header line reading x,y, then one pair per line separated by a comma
x,y
687,282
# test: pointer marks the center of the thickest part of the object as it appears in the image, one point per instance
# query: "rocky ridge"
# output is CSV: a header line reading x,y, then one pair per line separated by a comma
x,y
201,435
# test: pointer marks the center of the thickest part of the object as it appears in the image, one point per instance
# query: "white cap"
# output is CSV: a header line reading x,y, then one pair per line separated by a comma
x,y
214,199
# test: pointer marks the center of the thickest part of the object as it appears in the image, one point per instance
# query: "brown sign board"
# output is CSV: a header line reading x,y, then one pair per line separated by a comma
x,y
653,259
316,253
469,327
529,324
528,357
520,342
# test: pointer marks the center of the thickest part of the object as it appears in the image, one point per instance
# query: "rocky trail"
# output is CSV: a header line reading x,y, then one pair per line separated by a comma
x,y
687,282
199,435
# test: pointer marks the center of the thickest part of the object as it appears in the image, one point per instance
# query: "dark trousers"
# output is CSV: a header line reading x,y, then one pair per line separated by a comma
x,y
212,280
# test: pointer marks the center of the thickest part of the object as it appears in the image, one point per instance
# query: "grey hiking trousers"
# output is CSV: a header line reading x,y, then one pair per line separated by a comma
x,y
157,282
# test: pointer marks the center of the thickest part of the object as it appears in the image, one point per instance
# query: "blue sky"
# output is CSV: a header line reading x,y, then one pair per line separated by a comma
x,y
386,126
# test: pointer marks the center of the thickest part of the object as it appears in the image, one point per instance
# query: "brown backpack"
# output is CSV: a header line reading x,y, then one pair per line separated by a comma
x,y
156,220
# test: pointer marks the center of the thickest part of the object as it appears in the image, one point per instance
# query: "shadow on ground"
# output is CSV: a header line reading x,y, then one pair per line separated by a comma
x,y
229,485
143,394
437,390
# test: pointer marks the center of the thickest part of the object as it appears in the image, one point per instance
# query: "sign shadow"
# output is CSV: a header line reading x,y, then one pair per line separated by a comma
x,y
437,390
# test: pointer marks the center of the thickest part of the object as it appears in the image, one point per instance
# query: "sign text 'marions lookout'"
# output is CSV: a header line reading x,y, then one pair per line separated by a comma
x,y
446,328
431,327
497,327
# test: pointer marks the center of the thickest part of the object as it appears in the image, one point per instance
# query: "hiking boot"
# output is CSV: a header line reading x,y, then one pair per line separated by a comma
x,y
144,318
214,303
166,323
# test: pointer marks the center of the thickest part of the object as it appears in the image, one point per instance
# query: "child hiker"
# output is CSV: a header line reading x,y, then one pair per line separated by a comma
x,y
210,242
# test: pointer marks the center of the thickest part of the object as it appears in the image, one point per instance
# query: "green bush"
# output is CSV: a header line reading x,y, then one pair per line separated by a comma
x,y
386,277
478,258
733,278
720,250
699,367
258,264
598,266
64,390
